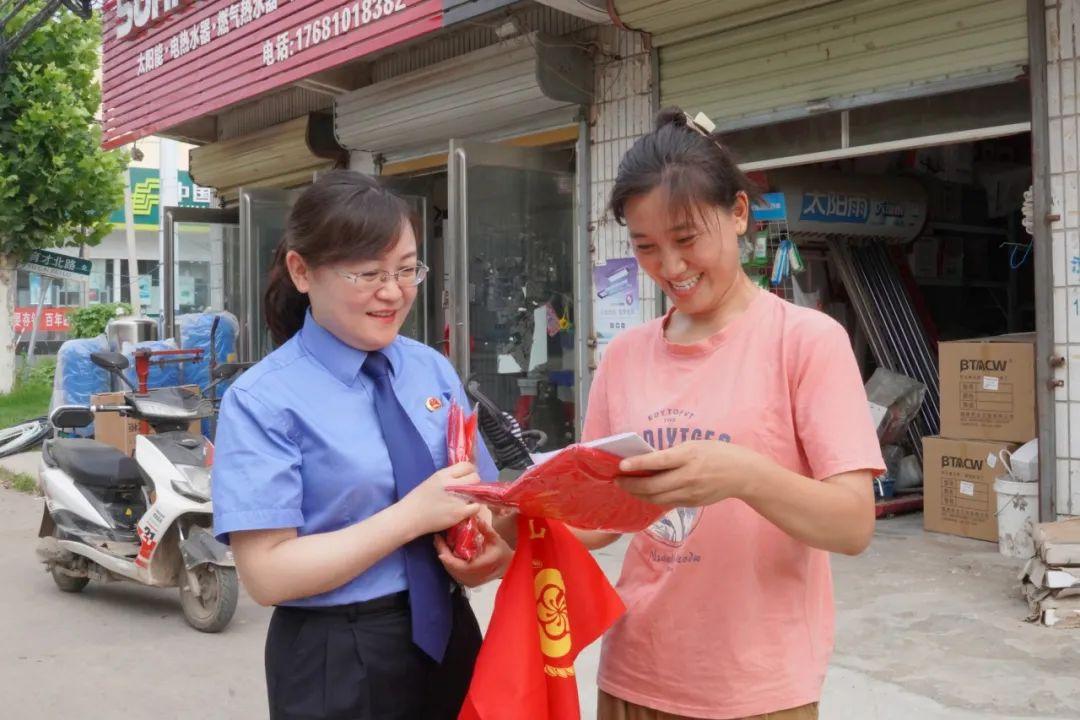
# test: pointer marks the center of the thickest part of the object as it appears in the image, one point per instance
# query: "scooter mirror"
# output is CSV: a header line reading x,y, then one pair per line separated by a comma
x,y
71,416
111,361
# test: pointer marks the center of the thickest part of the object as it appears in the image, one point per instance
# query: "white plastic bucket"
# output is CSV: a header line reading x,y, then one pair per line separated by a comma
x,y
1017,513
1023,464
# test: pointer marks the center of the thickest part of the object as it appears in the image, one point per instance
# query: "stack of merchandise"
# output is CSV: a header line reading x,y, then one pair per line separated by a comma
x,y
895,400
1051,579
987,412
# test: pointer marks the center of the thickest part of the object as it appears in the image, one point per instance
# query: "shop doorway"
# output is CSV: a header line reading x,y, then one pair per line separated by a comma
x,y
500,305
964,271
969,267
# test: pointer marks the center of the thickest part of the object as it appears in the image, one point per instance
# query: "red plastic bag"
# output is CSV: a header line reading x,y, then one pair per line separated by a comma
x,y
465,539
576,486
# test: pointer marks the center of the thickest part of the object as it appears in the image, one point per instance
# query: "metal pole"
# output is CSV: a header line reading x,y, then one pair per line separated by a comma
x,y
911,319
169,197
864,283
167,273
46,286
879,316
904,334
914,339
1043,260
133,256
842,261
660,298
458,245
583,327
929,412
863,309
893,304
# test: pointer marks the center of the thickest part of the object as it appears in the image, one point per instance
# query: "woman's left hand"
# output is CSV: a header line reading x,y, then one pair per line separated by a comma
x,y
693,474
490,564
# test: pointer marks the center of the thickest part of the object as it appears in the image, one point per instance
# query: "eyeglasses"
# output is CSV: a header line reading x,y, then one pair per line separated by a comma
x,y
405,277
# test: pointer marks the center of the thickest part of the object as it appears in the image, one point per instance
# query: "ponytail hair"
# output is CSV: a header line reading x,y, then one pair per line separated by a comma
x,y
688,160
345,216
284,307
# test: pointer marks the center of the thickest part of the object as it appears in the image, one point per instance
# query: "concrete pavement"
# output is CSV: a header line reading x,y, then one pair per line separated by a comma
x,y
932,626
26,463
115,649
927,626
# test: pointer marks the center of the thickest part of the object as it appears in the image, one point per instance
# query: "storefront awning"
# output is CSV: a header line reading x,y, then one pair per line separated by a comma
x,y
282,156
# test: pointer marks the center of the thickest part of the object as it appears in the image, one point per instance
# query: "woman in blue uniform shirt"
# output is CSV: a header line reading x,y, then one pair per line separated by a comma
x,y
327,480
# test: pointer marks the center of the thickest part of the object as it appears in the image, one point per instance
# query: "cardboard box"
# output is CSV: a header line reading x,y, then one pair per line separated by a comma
x,y
1058,543
119,431
958,486
988,388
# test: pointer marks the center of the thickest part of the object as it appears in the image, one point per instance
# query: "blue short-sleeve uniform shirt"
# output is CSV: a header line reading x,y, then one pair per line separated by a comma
x,y
299,445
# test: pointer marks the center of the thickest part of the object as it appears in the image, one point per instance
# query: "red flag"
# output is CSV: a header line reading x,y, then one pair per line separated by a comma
x,y
553,602
465,539
576,486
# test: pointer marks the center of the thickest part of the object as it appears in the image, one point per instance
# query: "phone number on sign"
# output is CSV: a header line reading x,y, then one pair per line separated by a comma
x,y
350,17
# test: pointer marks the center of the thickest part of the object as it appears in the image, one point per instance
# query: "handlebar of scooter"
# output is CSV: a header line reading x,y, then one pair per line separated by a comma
x,y
109,408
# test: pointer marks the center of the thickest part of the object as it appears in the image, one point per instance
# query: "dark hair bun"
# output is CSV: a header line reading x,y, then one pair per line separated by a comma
x,y
671,116
691,163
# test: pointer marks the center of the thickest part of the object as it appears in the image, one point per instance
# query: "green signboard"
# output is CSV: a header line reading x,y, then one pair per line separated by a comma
x,y
146,197
57,265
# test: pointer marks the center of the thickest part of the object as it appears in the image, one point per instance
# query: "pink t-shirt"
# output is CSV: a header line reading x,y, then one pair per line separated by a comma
x,y
728,616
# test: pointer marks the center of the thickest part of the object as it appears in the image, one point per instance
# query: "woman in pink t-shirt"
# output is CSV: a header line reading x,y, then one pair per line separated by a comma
x,y
764,448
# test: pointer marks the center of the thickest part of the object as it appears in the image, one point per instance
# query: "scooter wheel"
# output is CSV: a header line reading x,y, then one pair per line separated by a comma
x,y
66,582
212,608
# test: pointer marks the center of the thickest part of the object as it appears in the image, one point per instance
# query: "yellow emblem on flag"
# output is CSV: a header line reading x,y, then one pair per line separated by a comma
x,y
551,614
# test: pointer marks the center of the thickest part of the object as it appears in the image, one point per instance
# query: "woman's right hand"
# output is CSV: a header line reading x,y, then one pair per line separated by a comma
x,y
430,508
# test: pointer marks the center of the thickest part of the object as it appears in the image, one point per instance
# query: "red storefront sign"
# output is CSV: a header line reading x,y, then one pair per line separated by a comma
x,y
170,61
53,319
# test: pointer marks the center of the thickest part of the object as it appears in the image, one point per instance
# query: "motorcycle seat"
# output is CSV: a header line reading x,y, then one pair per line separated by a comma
x,y
94,463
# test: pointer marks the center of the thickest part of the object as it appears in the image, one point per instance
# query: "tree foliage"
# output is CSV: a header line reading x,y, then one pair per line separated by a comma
x,y
57,187
90,321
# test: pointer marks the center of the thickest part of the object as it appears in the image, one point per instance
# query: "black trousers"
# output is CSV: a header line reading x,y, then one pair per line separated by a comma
x,y
358,662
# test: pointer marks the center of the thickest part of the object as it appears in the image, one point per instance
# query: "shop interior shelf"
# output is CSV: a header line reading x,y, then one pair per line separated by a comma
x,y
962,282
935,227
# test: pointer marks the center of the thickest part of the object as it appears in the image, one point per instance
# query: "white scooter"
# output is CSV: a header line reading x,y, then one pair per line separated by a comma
x,y
148,519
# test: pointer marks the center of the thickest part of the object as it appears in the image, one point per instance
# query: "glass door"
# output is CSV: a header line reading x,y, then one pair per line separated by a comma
x,y
263,215
422,319
511,276
201,257
427,320
219,260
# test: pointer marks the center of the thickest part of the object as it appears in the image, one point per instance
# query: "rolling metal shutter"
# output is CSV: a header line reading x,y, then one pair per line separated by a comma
x,y
519,86
745,63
